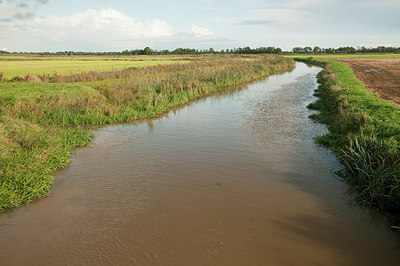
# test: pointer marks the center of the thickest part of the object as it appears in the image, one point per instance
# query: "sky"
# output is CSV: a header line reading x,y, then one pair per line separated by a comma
x,y
116,25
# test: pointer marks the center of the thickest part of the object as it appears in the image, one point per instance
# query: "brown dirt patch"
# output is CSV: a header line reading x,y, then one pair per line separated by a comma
x,y
380,75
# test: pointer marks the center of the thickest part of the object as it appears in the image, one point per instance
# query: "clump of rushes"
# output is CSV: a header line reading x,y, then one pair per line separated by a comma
x,y
364,134
43,118
371,165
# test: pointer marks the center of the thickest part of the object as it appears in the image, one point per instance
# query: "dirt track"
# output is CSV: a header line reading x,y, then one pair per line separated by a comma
x,y
380,75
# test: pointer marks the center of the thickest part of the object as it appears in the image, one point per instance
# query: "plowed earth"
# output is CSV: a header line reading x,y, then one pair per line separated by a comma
x,y
380,75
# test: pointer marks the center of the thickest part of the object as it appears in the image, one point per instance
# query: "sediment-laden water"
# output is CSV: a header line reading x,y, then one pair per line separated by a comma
x,y
233,179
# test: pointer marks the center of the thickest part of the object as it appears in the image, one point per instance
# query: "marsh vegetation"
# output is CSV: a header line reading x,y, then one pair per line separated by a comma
x,y
44,117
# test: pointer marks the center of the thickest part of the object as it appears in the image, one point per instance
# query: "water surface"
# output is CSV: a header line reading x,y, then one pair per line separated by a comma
x,y
233,179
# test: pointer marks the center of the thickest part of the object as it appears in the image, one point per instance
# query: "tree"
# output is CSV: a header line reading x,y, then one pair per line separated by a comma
x,y
317,50
381,49
297,50
270,49
245,50
147,51
307,49
330,51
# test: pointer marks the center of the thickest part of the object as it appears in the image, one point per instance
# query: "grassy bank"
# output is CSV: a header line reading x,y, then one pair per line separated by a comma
x,y
41,122
364,133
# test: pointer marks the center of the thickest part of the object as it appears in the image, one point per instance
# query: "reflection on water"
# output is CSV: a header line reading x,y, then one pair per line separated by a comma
x,y
234,179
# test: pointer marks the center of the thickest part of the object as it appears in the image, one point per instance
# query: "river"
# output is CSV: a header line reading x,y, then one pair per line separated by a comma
x,y
232,179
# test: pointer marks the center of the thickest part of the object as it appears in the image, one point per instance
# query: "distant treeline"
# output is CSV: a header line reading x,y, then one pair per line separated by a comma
x,y
244,50
344,50
267,50
240,50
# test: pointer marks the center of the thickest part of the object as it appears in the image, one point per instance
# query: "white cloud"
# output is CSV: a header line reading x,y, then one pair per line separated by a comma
x,y
93,30
10,8
104,29
201,32
26,26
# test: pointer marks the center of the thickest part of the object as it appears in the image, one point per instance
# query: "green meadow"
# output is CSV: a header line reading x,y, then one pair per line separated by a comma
x,y
21,65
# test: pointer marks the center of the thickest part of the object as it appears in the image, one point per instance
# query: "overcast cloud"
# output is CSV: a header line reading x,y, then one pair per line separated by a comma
x,y
115,25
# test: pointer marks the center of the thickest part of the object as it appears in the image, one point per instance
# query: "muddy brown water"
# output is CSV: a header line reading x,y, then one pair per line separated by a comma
x,y
233,179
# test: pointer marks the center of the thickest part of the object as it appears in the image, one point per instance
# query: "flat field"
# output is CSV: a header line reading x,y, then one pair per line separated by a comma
x,y
22,64
331,56
379,75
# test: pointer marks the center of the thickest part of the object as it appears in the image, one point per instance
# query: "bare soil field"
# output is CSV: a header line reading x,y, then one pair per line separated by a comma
x,y
380,75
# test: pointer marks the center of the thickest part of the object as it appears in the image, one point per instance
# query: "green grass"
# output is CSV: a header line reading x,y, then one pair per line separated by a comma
x,y
364,133
41,123
20,65
322,56
25,57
